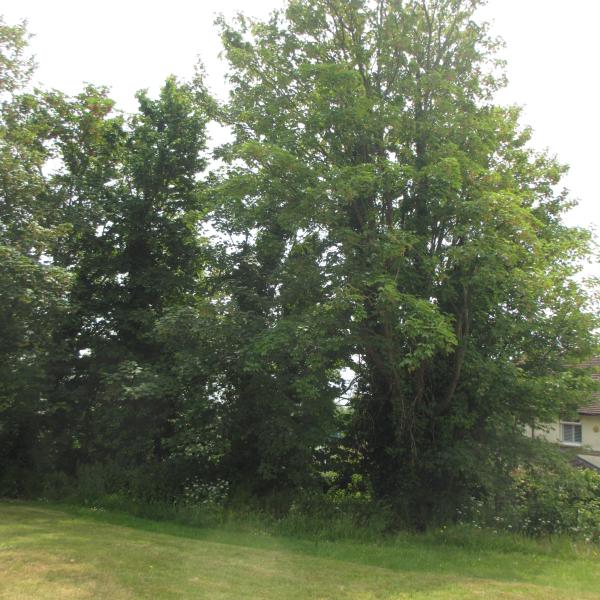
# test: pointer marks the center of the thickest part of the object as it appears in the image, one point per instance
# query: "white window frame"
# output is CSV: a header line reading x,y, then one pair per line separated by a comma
x,y
573,424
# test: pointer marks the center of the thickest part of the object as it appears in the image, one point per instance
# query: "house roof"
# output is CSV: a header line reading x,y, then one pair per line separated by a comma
x,y
589,461
590,410
593,408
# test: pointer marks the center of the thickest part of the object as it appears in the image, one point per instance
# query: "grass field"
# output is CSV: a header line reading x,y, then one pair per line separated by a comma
x,y
52,553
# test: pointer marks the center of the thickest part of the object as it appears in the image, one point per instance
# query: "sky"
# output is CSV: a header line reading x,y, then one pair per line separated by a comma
x,y
552,51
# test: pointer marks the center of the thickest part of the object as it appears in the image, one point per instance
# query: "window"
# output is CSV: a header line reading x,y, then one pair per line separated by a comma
x,y
571,433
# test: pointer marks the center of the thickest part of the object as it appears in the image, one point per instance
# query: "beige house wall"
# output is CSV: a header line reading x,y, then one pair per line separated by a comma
x,y
590,432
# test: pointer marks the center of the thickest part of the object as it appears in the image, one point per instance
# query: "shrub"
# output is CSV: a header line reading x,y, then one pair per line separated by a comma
x,y
547,496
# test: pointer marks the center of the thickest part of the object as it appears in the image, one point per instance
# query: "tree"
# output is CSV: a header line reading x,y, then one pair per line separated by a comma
x,y
369,127
33,291
131,190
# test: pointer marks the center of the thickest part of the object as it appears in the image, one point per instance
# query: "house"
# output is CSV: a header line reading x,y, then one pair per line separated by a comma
x,y
581,432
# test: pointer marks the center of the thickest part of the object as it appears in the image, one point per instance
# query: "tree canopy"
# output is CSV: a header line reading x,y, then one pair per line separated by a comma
x,y
375,270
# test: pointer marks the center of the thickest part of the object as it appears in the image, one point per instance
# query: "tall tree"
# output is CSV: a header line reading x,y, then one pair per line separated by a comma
x,y
369,126
33,291
132,189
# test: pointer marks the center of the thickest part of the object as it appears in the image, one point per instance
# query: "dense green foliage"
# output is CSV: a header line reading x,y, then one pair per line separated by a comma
x,y
362,304
545,496
32,290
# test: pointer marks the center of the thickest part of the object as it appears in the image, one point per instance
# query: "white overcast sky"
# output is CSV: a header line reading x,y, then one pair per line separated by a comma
x,y
553,50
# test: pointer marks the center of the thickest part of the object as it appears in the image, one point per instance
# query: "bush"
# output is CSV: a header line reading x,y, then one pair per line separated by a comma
x,y
545,497
10,482
548,496
17,481
560,501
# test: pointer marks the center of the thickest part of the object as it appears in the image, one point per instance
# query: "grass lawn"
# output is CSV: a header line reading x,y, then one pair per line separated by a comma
x,y
53,553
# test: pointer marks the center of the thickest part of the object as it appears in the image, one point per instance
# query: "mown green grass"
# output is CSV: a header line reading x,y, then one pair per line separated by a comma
x,y
50,553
